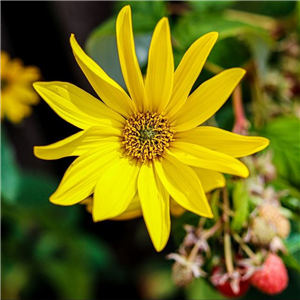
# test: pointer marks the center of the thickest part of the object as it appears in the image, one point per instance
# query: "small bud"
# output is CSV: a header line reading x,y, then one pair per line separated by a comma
x,y
261,232
182,275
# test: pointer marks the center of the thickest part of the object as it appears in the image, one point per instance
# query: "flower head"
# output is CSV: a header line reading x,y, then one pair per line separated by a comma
x,y
143,150
17,94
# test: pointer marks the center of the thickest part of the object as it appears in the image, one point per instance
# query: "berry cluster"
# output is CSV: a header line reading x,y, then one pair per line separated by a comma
x,y
247,244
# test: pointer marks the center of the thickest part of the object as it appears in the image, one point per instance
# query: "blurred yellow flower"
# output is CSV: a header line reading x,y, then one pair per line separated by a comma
x,y
140,151
17,94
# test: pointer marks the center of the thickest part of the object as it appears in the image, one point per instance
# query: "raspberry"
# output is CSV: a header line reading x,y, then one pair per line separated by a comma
x,y
273,278
227,291
283,227
272,215
261,232
225,286
269,212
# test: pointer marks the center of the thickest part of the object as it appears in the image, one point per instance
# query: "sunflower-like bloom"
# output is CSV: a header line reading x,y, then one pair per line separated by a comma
x,y
17,94
141,151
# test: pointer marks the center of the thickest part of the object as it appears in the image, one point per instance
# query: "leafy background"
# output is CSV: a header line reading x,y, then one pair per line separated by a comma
x,y
52,252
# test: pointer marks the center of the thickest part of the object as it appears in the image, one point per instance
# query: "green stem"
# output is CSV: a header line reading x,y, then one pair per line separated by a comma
x,y
246,248
227,240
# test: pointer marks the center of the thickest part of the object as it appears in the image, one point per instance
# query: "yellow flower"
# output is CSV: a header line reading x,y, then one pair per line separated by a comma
x,y
137,152
17,93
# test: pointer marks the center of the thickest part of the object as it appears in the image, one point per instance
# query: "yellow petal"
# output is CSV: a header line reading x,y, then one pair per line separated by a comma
x,y
155,206
88,202
223,141
108,90
132,211
210,180
78,143
115,189
207,99
81,177
189,69
76,106
129,64
159,80
183,185
201,157
175,208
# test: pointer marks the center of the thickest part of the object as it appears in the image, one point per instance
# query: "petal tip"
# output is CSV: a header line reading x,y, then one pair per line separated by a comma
x,y
35,150
125,10
214,34
240,71
266,142
210,216
53,199
36,84
159,246
245,173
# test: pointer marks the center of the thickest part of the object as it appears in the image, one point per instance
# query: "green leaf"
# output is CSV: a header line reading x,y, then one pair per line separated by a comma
x,y
101,46
150,9
10,173
193,25
202,290
260,43
284,137
214,203
240,205
292,198
209,6
291,262
268,8
293,243
281,184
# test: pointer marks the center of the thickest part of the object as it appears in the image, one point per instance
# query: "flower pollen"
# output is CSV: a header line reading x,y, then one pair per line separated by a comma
x,y
147,135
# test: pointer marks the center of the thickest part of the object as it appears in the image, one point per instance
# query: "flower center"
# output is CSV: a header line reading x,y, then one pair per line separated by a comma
x,y
147,135
4,83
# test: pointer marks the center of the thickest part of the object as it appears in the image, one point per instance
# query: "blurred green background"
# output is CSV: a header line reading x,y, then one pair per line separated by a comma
x,y
52,252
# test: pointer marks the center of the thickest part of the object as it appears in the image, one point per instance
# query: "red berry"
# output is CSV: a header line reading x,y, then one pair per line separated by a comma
x,y
273,277
227,291
225,287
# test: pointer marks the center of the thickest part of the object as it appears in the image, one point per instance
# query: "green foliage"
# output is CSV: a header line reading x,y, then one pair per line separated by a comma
x,y
291,199
202,290
285,143
274,8
240,205
10,177
209,6
153,10
192,26
214,204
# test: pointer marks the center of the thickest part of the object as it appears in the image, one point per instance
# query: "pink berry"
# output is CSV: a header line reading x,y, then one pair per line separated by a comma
x,y
273,277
